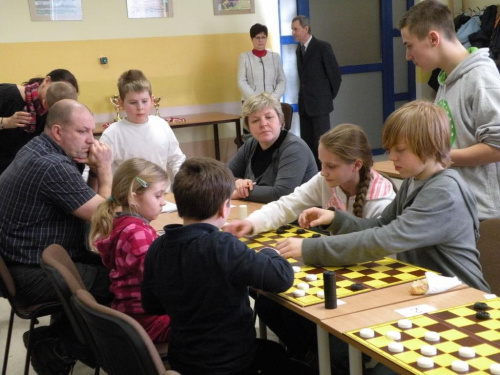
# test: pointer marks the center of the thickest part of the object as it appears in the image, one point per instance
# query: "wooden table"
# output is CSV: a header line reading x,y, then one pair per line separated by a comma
x,y
201,119
364,302
173,218
337,326
386,167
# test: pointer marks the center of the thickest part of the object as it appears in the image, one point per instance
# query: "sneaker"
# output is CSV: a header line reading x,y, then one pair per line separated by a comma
x,y
38,333
46,360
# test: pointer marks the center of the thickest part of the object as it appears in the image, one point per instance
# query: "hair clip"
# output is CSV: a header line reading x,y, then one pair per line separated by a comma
x,y
141,182
111,199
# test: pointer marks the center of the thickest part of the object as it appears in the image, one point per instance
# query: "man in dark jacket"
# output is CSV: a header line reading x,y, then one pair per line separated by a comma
x,y
320,79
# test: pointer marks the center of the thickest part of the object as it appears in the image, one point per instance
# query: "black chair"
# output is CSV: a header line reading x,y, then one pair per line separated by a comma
x,y
31,313
124,346
288,114
64,276
489,249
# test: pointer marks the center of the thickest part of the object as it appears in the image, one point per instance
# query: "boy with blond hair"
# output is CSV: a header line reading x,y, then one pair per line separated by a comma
x,y
469,91
141,135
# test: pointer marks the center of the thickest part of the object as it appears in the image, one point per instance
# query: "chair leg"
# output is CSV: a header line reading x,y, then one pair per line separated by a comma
x,y
28,349
7,343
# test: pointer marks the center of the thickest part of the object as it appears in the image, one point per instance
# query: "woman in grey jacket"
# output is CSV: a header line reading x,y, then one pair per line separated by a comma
x,y
260,70
274,161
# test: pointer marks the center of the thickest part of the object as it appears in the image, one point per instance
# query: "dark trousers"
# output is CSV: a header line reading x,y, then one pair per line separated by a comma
x,y
33,286
311,128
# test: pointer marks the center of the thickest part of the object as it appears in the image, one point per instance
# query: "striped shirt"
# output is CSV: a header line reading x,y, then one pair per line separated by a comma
x,y
39,192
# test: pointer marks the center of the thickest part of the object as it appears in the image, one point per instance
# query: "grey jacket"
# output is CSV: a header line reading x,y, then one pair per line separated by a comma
x,y
292,165
471,95
434,226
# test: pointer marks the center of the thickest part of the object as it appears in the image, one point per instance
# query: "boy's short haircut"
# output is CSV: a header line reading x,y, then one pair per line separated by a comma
x,y
426,16
201,186
60,90
424,127
133,81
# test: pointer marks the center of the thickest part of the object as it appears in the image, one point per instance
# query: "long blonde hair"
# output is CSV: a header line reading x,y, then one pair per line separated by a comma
x,y
349,143
133,176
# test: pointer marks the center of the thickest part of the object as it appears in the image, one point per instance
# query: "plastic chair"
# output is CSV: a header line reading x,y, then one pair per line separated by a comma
x,y
489,249
64,276
31,313
124,346
288,114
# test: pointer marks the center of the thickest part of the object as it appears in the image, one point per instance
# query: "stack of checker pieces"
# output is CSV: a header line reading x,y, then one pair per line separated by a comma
x,y
350,280
472,325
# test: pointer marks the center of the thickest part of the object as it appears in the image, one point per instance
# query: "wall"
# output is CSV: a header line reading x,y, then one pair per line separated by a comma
x,y
191,59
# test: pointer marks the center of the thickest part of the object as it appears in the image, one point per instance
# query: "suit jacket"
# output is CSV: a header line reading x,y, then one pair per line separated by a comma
x,y
319,76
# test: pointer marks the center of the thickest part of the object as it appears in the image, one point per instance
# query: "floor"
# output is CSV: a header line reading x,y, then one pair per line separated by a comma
x,y
17,353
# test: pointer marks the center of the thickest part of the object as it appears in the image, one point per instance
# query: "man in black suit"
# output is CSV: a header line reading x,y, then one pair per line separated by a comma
x,y
320,79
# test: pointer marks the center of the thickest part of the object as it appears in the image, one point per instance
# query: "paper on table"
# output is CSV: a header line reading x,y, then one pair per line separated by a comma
x,y
169,207
408,312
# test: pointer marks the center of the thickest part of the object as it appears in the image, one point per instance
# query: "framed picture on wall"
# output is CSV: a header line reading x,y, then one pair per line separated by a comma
x,y
224,7
149,8
63,10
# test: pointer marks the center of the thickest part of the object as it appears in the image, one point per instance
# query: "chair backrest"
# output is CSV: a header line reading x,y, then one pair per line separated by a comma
x,y
288,114
489,249
64,276
124,346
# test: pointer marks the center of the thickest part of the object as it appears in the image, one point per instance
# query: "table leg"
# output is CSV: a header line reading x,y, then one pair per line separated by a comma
x,y
216,141
323,351
239,140
355,361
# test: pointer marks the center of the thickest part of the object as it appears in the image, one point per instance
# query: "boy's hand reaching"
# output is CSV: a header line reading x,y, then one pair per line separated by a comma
x,y
290,248
239,228
312,217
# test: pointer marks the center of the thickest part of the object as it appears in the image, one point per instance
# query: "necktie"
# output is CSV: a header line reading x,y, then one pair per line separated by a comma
x,y
303,49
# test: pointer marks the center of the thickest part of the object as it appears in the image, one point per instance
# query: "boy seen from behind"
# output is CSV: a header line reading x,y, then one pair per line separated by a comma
x,y
58,91
200,277
469,91
141,135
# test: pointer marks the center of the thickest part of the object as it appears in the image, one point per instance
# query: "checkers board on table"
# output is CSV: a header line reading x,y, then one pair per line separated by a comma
x,y
457,327
351,280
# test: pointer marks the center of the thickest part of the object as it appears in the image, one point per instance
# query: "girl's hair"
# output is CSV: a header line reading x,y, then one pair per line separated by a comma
x,y
133,176
258,102
424,127
57,75
349,143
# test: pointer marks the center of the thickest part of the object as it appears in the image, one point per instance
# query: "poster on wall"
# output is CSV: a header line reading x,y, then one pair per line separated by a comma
x,y
149,8
225,7
55,10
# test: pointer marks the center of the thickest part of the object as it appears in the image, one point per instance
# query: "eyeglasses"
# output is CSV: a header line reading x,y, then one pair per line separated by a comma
x,y
260,37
